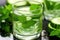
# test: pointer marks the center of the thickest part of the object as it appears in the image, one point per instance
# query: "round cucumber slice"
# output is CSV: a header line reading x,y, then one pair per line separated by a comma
x,y
17,2
35,1
56,21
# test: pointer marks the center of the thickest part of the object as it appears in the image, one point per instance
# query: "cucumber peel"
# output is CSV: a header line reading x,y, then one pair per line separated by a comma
x,y
55,23
51,27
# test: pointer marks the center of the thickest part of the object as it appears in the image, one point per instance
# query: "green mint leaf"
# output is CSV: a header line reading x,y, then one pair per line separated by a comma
x,y
57,6
21,18
51,5
35,8
5,11
5,27
28,24
8,7
55,33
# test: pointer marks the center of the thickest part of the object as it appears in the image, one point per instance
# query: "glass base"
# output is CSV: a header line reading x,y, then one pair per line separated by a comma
x,y
27,37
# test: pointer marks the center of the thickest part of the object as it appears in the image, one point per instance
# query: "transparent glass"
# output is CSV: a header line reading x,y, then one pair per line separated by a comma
x,y
27,24
52,14
52,9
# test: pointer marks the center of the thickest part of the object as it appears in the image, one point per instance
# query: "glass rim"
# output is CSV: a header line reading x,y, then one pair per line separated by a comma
x,y
18,1
26,6
36,1
28,1
41,9
28,11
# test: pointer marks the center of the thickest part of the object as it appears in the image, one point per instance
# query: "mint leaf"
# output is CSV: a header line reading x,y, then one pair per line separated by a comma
x,y
5,27
35,8
21,18
49,5
57,6
8,7
5,11
55,33
28,24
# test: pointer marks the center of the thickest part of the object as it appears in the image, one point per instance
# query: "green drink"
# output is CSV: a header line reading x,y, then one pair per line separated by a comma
x,y
27,24
27,21
52,10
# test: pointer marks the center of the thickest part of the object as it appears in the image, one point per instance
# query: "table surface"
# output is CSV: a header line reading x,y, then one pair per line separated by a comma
x,y
6,38
11,37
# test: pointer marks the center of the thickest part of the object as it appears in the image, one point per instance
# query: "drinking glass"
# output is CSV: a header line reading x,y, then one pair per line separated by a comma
x,y
52,14
27,20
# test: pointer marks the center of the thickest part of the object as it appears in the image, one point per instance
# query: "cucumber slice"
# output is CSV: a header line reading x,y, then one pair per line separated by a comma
x,y
17,2
35,1
23,11
28,10
56,21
